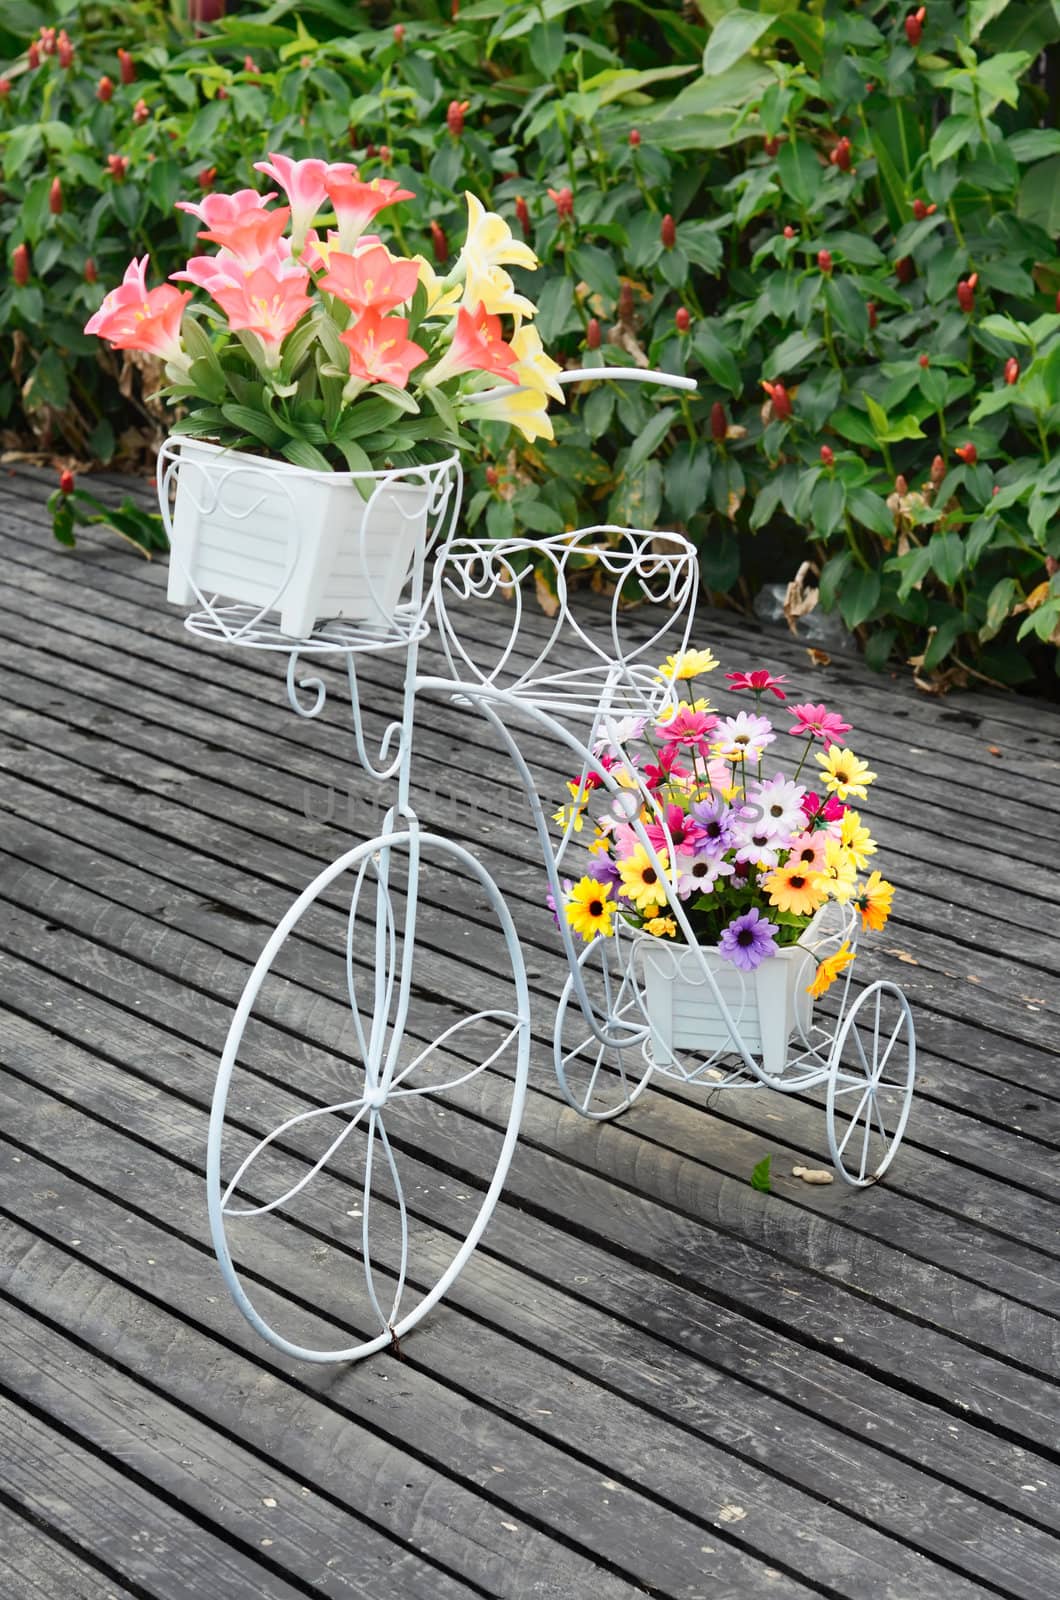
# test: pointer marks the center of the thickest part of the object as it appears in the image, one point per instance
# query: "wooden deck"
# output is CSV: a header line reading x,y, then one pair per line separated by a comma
x,y
651,1379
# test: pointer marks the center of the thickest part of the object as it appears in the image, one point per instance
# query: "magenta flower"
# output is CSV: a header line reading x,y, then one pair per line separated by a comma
x,y
749,940
758,682
688,730
822,811
816,722
685,832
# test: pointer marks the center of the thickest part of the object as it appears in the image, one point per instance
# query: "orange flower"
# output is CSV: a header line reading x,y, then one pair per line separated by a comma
x,y
265,304
356,203
380,351
252,237
874,902
371,280
477,347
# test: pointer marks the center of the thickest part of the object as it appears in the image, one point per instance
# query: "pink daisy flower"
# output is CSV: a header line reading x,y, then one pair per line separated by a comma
x,y
809,850
685,832
744,735
759,682
817,722
688,729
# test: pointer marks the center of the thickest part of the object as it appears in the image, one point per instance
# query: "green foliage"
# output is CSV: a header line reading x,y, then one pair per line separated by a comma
x,y
773,135
761,1175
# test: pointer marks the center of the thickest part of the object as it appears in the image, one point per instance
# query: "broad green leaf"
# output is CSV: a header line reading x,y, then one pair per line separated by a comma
x,y
858,596
686,479
1038,200
303,454
833,576
877,417
597,410
947,557
254,422
650,438
598,269
951,135
981,13
790,354
799,171
1033,144
535,513
1003,327
993,401
719,362
760,1178
826,505
737,33
999,604
849,309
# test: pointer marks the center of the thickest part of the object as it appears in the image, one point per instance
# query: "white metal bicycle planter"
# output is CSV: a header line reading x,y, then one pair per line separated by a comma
x,y
375,1063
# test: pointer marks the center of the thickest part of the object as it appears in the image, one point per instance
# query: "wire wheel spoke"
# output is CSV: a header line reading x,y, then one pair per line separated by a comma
x,y
600,1032
867,1112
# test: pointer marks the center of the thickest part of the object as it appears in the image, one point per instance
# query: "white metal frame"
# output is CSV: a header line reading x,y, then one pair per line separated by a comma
x,y
516,686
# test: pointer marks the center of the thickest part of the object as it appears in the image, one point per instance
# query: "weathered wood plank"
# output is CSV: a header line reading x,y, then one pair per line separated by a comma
x,y
33,1566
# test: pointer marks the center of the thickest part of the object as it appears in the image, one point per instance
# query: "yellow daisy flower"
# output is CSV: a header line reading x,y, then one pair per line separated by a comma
x,y
566,815
588,909
844,773
640,881
662,927
796,888
857,839
874,902
689,664
829,970
841,875
701,703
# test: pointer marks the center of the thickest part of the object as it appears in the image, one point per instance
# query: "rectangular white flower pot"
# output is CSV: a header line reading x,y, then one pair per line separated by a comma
x,y
280,537
766,1005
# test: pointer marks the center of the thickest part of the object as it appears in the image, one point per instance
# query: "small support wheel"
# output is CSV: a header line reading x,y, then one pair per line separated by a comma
x,y
870,1083
600,1032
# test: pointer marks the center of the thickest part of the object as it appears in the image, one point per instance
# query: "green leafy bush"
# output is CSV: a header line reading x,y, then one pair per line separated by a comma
x,y
857,207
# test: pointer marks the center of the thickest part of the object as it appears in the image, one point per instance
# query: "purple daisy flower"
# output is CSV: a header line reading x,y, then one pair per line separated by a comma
x,y
715,819
604,870
748,941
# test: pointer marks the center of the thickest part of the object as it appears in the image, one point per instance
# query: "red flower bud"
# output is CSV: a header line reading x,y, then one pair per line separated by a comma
x,y
780,398
824,260
966,293
251,66
454,117
789,231
221,93
920,210
840,156
370,151
625,303
683,319
20,264
522,216
771,145
905,269
454,9
873,314
91,273
47,41
118,166
592,334
66,481
938,470
384,153
634,137
5,88
127,66
104,89
719,422
563,200
900,485
914,26
925,360
492,477
668,231
206,178
1052,566
33,54
1057,306
827,456
399,33
55,197
968,453
141,112
65,50
1012,370
440,242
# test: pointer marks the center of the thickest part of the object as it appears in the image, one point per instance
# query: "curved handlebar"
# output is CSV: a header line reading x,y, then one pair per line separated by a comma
x,y
669,380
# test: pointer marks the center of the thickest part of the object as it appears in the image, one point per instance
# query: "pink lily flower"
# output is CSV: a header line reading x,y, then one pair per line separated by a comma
x,y
380,351
253,237
216,210
356,203
816,722
305,185
477,346
371,280
150,323
265,304
132,291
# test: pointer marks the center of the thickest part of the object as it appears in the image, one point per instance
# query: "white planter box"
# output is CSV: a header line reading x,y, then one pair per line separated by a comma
x,y
766,1005
285,539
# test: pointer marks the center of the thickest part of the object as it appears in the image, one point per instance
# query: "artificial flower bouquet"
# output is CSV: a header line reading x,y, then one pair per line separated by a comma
x,y
329,351
748,848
